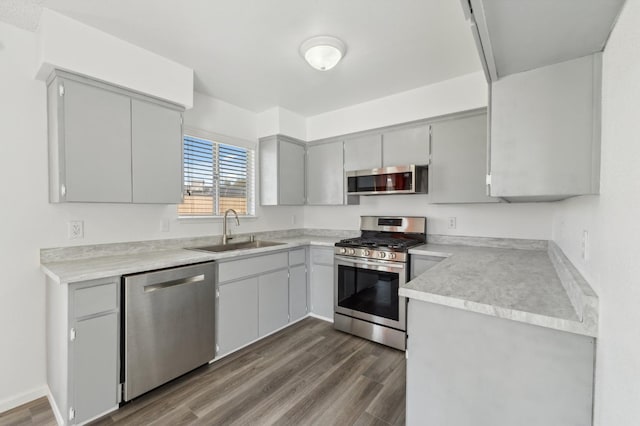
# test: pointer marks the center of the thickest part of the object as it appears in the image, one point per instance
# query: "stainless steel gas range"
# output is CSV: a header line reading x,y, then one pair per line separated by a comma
x,y
369,270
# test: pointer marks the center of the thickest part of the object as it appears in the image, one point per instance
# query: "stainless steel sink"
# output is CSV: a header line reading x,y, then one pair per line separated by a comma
x,y
237,246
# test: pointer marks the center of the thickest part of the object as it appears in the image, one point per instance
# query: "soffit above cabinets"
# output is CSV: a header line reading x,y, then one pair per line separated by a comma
x,y
522,35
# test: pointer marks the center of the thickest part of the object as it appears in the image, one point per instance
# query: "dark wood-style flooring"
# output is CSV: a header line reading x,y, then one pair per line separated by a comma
x,y
307,374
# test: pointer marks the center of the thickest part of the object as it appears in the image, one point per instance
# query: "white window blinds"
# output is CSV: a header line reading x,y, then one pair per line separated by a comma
x,y
217,177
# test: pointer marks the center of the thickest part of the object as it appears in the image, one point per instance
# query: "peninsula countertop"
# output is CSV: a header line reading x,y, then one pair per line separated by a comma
x,y
529,286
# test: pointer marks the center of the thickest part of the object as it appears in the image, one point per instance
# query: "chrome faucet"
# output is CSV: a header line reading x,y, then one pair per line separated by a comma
x,y
225,237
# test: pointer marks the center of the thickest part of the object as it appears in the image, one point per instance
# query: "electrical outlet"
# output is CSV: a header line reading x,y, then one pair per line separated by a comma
x,y
451,224
293,219
75,229
585,244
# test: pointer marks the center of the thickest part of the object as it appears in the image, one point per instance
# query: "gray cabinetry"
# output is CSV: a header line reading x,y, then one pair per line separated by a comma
x,y
420,264
237,314
545,132
322,282
458,167
502,372
325,174
90,137
273,301
298,300
107,144
282,171
363,152
83,348
156,153
406,145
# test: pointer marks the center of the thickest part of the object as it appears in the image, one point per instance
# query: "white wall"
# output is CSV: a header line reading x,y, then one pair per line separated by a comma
x,y
30,223
278,120
67,44
612,220
530,220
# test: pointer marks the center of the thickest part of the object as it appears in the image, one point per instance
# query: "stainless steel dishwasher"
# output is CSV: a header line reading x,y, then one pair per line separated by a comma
x,y
168,325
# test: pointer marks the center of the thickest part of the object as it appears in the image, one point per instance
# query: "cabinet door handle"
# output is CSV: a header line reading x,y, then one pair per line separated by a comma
x,y
173,283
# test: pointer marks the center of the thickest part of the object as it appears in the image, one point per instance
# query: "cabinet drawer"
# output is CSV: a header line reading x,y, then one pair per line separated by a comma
x,y
297,257
322,256
96,299
228,271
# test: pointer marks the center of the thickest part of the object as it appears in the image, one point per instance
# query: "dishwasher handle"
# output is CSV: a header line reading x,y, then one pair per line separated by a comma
x,y
173,283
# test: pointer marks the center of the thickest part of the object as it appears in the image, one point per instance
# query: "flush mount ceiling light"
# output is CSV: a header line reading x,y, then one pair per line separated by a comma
x,y
323,52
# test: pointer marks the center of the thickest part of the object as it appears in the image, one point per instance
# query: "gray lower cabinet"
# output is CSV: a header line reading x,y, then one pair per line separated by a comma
x,y
258,295
322,282
237,314
273,301
282,171
545,132
83,348
298,305
466,368
406,145
458,167
325,174
110,145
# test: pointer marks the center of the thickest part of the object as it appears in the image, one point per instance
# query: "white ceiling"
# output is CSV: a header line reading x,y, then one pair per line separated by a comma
x,y
246,52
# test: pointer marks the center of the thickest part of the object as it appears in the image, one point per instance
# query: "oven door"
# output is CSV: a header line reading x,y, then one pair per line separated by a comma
x,y
368,290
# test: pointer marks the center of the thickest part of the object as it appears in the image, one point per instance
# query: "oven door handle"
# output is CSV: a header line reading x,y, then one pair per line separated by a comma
x,y
368,264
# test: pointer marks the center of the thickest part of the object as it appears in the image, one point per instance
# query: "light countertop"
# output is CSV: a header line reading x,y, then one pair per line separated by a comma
x,y
521,285
69,271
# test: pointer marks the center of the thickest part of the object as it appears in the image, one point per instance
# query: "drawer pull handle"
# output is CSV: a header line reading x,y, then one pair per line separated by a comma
x,y
173,283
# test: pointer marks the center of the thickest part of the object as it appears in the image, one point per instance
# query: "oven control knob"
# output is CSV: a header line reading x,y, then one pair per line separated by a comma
x,y
392,255
382,254
343,250
351,251
366,252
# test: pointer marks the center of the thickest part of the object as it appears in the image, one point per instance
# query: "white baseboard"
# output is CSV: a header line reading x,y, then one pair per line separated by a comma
x,y
54,407
23,398
320,317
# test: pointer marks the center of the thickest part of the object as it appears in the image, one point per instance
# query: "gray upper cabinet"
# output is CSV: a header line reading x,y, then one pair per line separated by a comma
x,y
110,145
458,161
282,171
406,145
325,174
363,152
90,136
156,153
545,132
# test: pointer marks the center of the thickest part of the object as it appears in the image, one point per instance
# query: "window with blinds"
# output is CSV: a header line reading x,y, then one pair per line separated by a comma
x,y
217,177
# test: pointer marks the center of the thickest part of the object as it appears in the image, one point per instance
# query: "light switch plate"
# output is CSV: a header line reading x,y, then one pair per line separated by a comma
x,y
451,223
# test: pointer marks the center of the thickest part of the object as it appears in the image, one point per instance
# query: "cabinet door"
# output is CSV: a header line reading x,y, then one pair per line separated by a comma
x,y
325,174
156,153
97,144
406,146
238,314
94,366
297,292
273,301
291,174
364,152
459,161
545,136
322,290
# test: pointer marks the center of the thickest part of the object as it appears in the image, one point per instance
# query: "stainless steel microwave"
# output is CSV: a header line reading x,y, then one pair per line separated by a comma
x,y
410,179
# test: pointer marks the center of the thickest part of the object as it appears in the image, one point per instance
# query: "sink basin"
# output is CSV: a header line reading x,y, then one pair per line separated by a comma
x,y
237,246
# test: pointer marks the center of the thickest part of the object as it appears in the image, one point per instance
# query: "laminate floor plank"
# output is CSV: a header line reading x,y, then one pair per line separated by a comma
x,y
306,374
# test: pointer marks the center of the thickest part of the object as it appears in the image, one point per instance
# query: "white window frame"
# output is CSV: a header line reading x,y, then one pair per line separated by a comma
x,y
251,176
